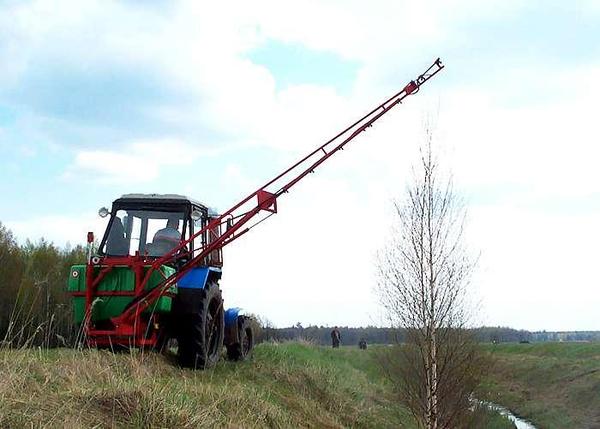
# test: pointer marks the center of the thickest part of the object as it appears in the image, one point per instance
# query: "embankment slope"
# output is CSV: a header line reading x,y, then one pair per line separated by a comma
x,y
554,385
284,385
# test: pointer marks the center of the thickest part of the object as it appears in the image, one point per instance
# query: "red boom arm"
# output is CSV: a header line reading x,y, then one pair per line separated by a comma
x,y
262,200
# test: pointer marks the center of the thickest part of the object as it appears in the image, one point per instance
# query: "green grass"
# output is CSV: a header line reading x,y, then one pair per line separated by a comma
x,y
554,385
284,385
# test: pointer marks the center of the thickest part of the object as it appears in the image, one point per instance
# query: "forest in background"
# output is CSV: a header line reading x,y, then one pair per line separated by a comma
x,y
377,335
35,308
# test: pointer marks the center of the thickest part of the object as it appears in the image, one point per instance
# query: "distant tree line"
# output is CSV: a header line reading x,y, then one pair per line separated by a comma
x,y
499,334
34,306
509,335
376,335
322,334
566,336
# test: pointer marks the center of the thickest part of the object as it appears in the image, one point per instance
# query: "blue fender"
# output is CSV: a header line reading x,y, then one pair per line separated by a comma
x,y
197,278
231,326
231,316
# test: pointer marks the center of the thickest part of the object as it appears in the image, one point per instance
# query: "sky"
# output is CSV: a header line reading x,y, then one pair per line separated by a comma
x,y
211,99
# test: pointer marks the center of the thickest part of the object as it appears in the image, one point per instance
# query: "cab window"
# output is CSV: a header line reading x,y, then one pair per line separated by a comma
x,y
151,233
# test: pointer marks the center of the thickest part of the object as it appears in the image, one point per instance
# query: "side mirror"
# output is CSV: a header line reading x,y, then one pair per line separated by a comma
x,y
103,212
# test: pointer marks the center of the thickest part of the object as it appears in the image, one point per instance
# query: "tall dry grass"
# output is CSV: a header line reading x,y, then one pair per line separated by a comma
x,y
284,385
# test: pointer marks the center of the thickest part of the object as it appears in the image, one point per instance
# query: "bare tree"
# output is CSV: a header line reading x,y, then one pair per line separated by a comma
x,y
424,273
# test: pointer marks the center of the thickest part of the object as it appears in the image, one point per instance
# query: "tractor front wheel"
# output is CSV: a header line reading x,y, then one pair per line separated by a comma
x,y
200,334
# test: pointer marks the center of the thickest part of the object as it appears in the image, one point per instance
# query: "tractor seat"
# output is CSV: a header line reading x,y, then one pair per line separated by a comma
x,y
163,242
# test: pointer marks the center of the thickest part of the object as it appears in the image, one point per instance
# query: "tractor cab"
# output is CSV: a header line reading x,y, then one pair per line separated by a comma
x,y
152,225
149,274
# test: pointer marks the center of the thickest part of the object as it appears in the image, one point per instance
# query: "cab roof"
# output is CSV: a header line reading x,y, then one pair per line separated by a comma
x,y
159,198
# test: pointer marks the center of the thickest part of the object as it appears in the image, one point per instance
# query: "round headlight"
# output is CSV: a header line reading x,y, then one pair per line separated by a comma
x,y
196,215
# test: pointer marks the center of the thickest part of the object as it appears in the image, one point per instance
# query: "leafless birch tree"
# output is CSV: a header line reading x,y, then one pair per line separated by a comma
x,y
424,273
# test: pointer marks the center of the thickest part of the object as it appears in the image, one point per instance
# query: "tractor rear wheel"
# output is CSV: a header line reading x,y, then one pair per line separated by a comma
x,y
241,350
200,334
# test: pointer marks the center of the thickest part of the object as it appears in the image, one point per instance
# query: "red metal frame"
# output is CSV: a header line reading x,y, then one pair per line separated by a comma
x,y
130,328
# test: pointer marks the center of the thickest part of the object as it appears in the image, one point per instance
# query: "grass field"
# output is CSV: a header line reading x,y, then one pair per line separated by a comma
x,y
287,385
554,385
284,385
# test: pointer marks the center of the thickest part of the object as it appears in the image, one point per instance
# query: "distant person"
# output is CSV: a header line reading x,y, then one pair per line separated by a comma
x,y
362,344
336,337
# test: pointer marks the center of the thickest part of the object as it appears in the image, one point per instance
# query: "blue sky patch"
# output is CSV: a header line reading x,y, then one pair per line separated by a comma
x,y
292,64
105,97
7,116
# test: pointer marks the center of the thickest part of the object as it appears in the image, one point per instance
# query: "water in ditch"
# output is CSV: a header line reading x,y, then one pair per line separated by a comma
x,y
519,423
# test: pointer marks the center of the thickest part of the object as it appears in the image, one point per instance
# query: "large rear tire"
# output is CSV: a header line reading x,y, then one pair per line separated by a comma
x,y
200,334
242,349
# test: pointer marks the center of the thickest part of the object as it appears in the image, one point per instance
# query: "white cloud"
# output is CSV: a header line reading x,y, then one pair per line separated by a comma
x,y
58,229
373,33
535,267
134,163
541,146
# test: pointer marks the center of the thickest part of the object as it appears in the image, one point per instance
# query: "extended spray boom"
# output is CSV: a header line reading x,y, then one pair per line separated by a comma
x,y
261,200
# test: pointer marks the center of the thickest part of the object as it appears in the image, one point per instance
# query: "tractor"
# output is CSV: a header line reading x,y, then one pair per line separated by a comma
x,y
154,277
141,229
